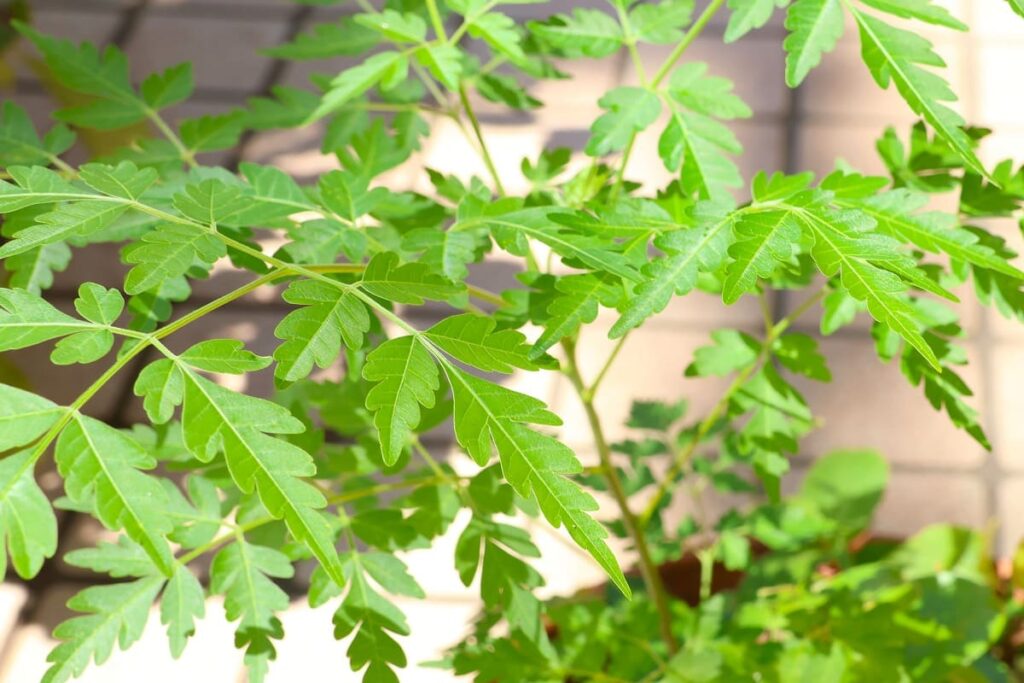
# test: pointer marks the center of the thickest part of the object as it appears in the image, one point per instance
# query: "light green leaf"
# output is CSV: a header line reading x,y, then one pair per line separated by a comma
x,y
764,240
101,468
575,304
402,27
693,138
98,304
687,252
211,201
748,15
629,111
243,573
65,222
895,55
733,350
662,23
405,377
126,180
353,82
499,31
169,252
26,320
20,143
444,63
172,86
489,417
28,527
24,417
182,603
471,339
114,614
584,33
121,559
163,389
343,38
224,355
409,283
314,333
932,231
216,419
814,28
922,10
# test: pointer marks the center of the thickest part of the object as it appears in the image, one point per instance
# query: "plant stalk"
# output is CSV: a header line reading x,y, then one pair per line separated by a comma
x,y
484,152
648,569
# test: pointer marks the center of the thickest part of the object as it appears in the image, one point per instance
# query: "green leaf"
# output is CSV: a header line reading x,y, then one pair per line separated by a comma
x,y
814,28
36,185
24,417
28,527
67,221
26,320
733,350
585,33
402,27
688,251
846,486
444,63
216,419
409,283
98,304
1017,6
101,468
932,231
162,386
748,15
126,180
629,111
655,415
841,246
243,572
121,559
575,304
799,353
85,70
922,10
314,333
114,614
33,270
499,31
212,132
471,339
20,143
353,82
181,604
895,55
223,355
405,377
764,240
447,251
169,252
662,23
210,201
171,87
346,37
374,616
693,138
489,417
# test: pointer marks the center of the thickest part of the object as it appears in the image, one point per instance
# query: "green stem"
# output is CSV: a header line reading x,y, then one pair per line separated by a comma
x,y
707,572
435,20
691,35
684,455
648,569
484,152
607,365
184,152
